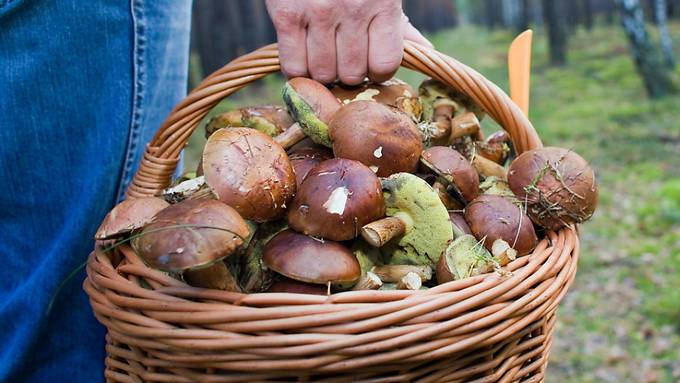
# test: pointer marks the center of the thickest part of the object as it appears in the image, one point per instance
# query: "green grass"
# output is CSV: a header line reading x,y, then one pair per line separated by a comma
x,y
620,320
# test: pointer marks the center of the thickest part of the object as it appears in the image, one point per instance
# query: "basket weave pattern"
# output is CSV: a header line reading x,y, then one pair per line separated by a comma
x,y
488,328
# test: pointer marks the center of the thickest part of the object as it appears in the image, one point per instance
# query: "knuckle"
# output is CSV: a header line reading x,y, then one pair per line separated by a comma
x,y
385,67
323,77
292,70
322,12
288,18
352,79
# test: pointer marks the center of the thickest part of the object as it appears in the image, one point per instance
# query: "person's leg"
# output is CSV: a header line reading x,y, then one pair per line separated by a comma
x,y
83,87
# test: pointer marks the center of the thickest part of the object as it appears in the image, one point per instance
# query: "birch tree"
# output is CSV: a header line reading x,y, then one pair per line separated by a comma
x,y
656,76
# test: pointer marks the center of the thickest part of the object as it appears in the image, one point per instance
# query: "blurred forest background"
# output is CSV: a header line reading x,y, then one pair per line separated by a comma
x,y
604,83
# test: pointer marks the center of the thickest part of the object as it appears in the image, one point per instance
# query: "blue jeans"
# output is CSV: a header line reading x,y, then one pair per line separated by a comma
x,y
83,86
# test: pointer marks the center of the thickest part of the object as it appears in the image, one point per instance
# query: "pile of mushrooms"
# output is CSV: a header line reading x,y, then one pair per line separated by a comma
x,y
376,186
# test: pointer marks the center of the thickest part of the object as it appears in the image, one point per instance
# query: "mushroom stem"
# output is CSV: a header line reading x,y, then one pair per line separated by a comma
x,y
410,281
216,276
502,251
368,281
488,168
291,136
394,273
443,113
464,125
378,233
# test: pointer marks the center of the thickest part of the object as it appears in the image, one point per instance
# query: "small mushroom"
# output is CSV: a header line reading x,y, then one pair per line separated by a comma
x,y
410,281
495,148
309,260
305,158
381,138
431,91
287,285
464,257
394,273
558,185
453,169
492,217
193,237
271,120
250,172
502,251
417,228
336,199
194,188
368,281
129,215
465,130
312,105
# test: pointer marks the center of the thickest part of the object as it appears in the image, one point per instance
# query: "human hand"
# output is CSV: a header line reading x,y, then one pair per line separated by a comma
x,y
341,39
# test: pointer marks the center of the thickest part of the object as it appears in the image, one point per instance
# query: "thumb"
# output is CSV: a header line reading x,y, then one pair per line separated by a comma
x,y
414,35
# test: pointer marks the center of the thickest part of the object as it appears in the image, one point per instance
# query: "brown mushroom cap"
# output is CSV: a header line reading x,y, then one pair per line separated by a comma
x,y
386,93
557,184
309,260
377,136
129,215
287,285
492,217
305,158
336,199
455,169
250,172
191,234
317,96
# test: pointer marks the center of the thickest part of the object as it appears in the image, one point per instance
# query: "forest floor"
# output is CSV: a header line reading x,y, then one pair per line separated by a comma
x,y
620,322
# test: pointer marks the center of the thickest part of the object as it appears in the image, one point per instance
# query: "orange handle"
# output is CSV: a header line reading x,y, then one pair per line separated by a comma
x,y
519,68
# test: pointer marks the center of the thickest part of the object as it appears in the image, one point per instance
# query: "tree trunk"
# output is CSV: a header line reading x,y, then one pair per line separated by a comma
x,y
524,15
587,11
660,9
655,75
572,10
557,38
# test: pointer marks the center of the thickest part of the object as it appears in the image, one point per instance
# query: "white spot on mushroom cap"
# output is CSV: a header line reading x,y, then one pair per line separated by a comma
x,y
374,168
378,152
367,95
337,201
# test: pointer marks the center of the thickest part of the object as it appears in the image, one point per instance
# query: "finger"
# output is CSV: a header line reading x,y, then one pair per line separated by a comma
x,y
321,57
412,34
385,46
352,52
291,33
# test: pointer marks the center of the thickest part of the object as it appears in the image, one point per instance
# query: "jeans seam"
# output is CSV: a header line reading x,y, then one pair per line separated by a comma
x,y
138,89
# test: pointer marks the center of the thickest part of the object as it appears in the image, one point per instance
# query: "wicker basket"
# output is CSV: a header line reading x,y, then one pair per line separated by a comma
x,y
488,328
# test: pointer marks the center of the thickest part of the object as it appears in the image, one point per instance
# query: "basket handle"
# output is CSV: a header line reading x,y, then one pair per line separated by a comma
x,y
162,153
